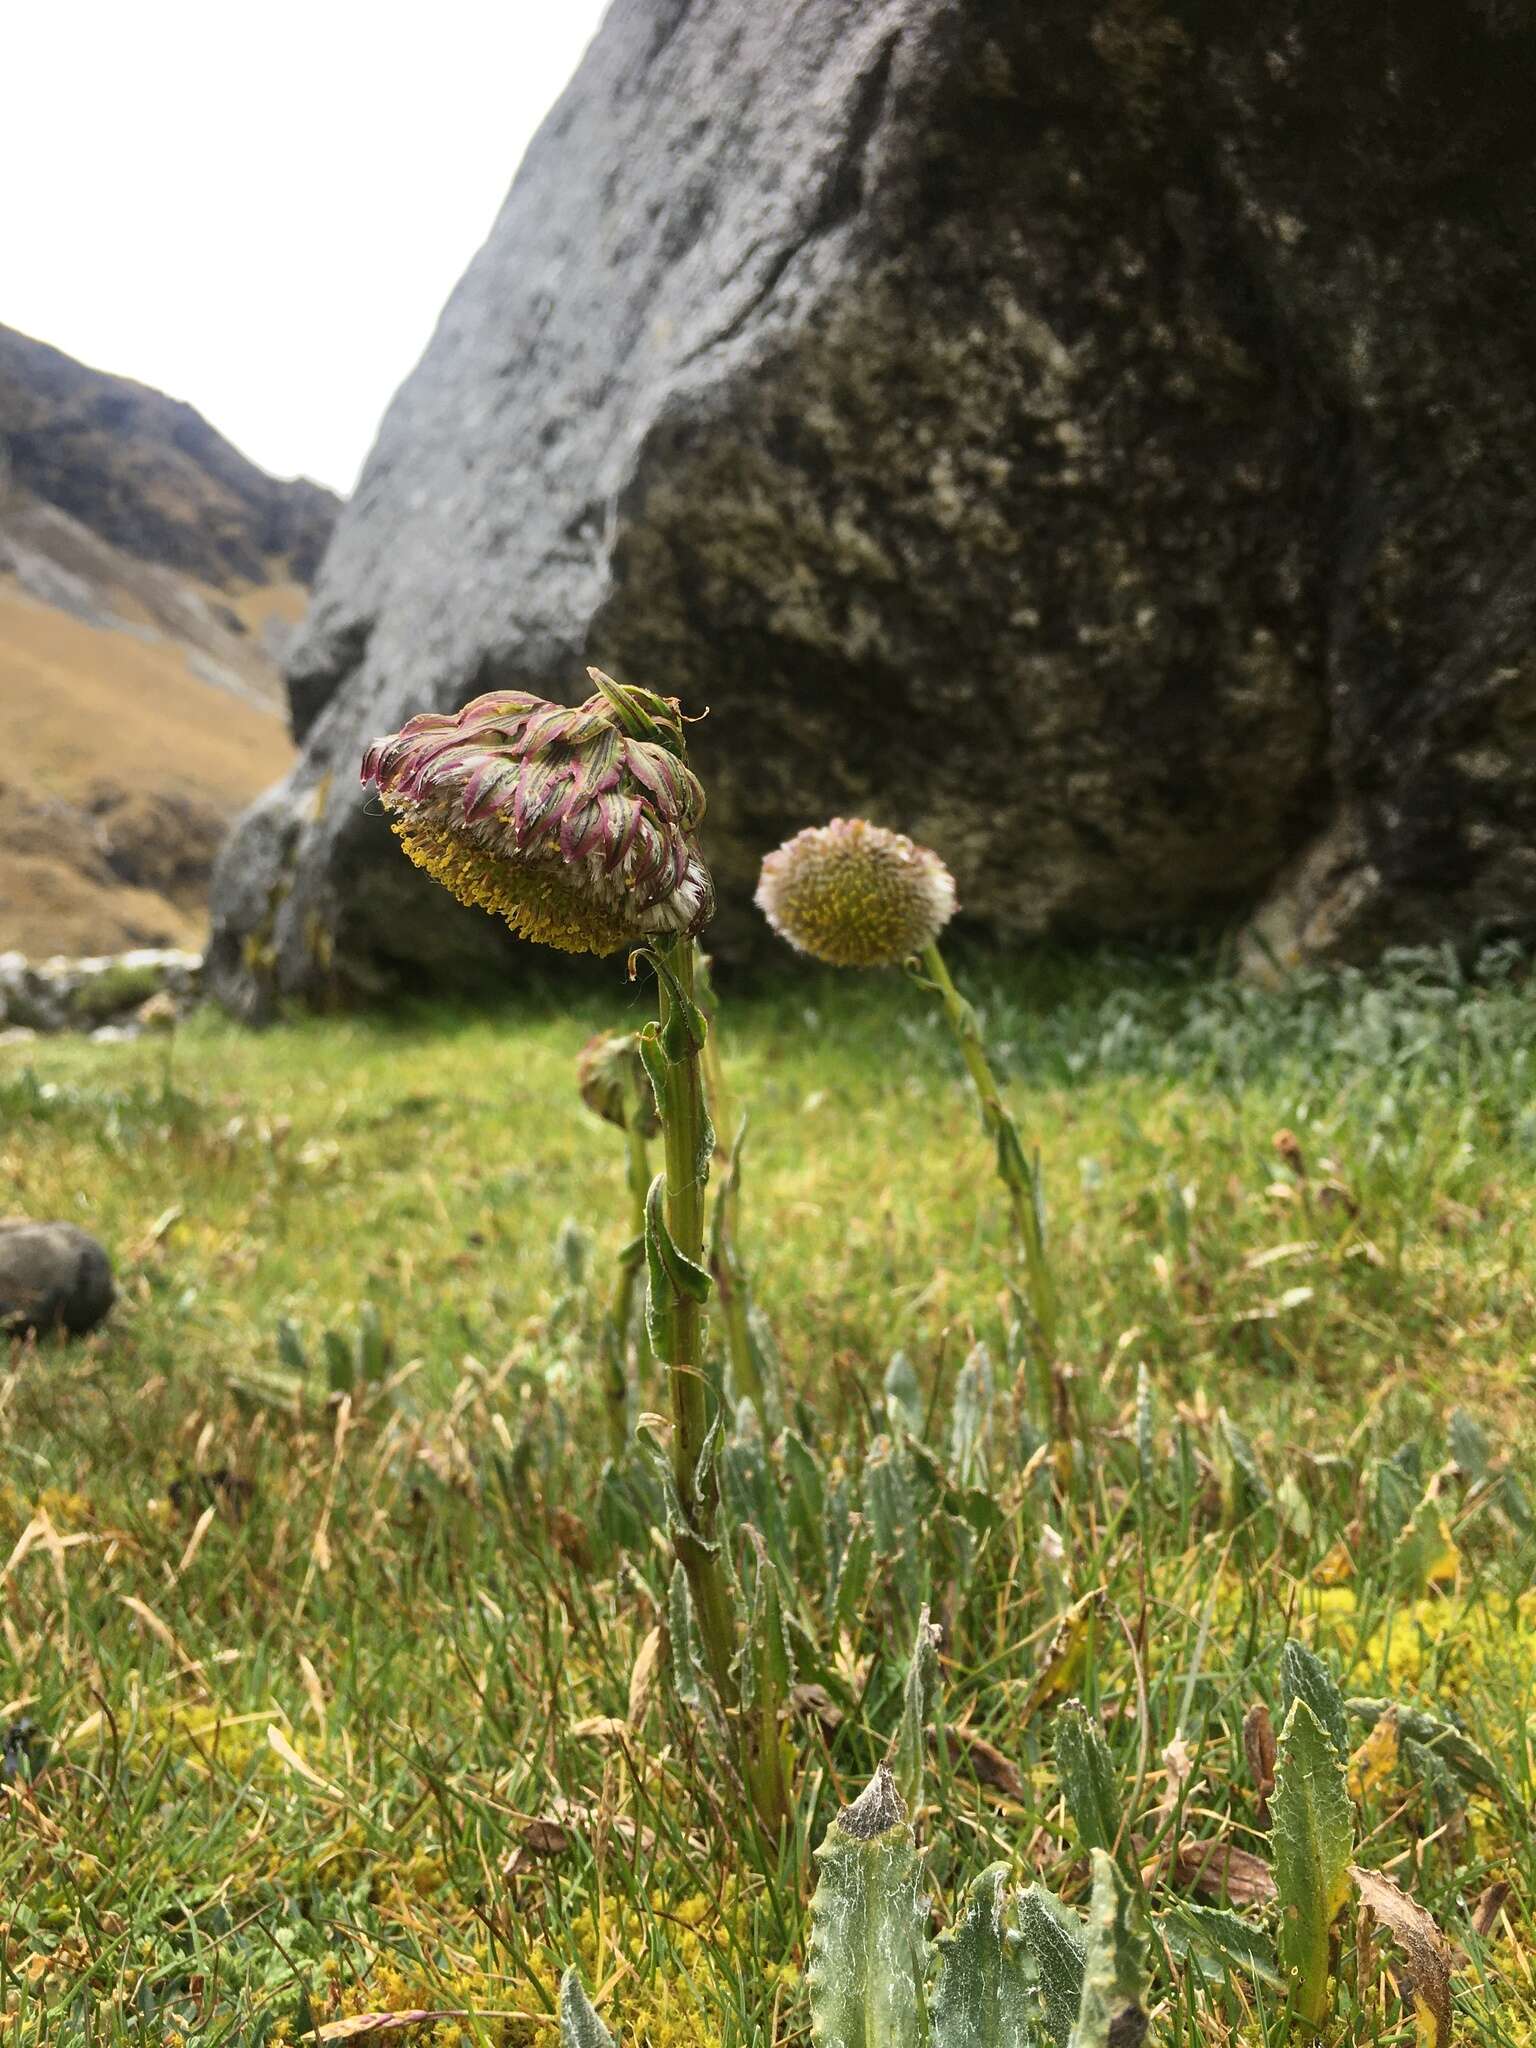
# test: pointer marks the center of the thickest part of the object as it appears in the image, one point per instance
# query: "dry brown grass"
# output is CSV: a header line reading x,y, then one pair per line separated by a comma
x,y
86,706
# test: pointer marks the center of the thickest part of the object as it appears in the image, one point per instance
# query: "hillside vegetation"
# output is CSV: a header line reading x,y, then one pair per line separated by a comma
x,y
149,580
336,1654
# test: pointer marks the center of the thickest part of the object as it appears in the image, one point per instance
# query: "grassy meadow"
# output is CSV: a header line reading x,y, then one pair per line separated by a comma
x,y
336,1665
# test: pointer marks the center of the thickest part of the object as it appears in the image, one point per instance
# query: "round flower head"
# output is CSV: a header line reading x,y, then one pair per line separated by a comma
x,y
575,825
855,895
614,1085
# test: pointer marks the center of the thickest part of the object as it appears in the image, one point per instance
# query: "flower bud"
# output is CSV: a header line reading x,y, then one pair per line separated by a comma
x,y
574,824
855,895
613,1082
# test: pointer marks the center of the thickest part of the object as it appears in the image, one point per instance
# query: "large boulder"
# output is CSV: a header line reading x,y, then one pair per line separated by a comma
x,y
1094,438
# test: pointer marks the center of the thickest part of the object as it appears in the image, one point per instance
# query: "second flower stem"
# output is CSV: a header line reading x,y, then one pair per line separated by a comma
x,y
687,1140
1012,1165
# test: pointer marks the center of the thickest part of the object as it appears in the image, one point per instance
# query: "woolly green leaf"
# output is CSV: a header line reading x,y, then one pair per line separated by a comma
x,y
688,1670
1425,1553
909,1749
805,1496
868,1950
1469,1444
1312,1834
1146,1429
685,1029
671,1273
580,2026
1227,1940
888,1498
1087,1773
1243,1485
891,1513
852,1580
903,1396
1443,1739
1304,1676
1058,1947
970,1424
767,1669
1112,2012
749,1484
290,1346
1394,1493
983,1997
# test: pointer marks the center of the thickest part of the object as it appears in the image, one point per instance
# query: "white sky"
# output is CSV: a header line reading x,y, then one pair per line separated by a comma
x,y
261,208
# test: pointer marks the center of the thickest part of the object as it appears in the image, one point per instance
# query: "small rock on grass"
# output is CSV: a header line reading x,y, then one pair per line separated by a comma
x,y
52,1276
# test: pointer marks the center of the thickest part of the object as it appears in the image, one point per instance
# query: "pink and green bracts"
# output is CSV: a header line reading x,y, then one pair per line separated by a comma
x,y
575,824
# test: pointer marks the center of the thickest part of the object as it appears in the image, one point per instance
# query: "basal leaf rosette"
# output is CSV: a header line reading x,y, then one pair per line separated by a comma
x,y
855,895
575,824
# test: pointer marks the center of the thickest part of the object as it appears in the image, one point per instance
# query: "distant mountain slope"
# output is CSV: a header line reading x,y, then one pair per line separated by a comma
x,y
149,579
149,474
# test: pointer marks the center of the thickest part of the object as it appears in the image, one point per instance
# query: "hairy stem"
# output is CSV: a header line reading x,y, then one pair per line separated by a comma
x,y
725,1261
684,1130
1012,1164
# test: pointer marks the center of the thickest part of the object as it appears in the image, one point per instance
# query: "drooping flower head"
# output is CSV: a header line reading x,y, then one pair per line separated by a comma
x,y
855,895
575,825
613,1083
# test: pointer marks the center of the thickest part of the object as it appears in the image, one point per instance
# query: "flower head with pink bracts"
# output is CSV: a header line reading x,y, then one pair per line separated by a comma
x,y
575,824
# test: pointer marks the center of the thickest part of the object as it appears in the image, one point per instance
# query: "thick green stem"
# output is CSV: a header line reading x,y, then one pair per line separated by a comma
x,y
1012,1164
685,1134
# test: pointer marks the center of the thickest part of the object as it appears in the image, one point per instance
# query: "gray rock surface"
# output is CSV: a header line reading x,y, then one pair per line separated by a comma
x,y
52,1276
1094,438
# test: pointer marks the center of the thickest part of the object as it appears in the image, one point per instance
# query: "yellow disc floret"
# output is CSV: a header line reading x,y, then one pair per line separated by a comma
x,y
856,895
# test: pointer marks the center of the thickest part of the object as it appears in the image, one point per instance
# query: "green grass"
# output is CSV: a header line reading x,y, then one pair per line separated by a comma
x,y
289,1679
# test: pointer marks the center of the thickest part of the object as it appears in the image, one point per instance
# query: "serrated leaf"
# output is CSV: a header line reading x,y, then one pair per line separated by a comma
x,y
891,1515
909,1747
970,1423
1447,1742
580,2026
903,1396
1057,1942
767,1673
340,1362
1112,2012
1088,1778
672,1275
868,1951
1223,1938
1393,1494
290,1346
1424,1982
1425,1555
1304,1676
1243,1485
853,1573
983,1997
1312,1834
689,1681
748,1483
805,1496
1469,1444
1146,1430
